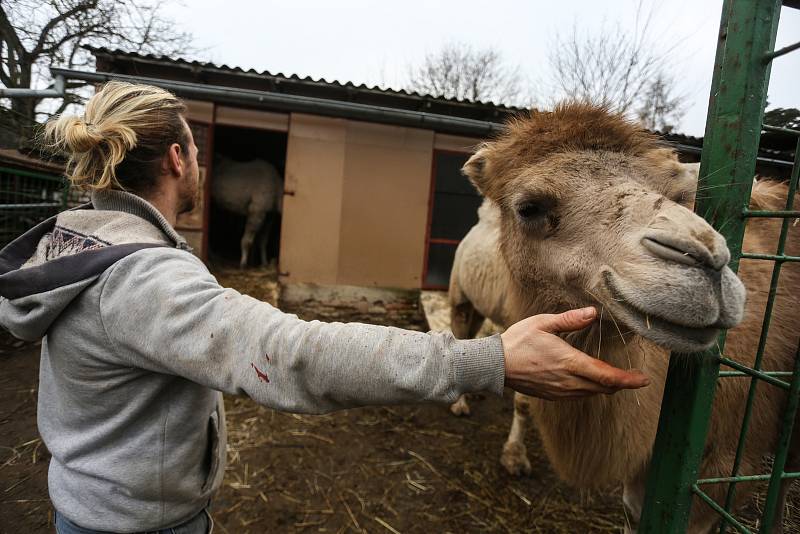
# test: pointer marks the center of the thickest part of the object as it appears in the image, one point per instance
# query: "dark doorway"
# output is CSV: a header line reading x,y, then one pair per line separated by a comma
x,y
226,227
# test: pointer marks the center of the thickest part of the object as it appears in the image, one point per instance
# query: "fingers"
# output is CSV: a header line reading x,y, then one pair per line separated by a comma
x,y
565,322
606,375
573,388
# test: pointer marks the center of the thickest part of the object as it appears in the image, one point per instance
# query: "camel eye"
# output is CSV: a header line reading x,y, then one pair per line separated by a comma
x,y
534,208
530,210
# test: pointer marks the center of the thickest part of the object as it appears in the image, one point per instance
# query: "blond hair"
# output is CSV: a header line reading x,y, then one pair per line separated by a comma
x,y
122,137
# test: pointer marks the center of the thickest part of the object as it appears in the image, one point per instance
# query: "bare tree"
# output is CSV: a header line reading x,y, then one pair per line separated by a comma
x,y
459,71
627,71
37,34
658,107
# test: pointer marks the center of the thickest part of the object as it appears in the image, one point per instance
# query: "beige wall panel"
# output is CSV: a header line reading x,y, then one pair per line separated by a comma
x,y
384,205
194,219
199,110
251,118
311,217
456,143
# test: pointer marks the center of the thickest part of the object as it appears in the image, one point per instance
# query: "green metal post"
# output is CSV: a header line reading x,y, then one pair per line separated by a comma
x,y
730,147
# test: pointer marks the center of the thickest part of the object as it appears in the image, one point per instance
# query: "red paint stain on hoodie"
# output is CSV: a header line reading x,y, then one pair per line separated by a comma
x,y
262,376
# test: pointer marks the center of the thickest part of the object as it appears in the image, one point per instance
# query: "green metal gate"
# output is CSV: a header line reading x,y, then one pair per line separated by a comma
x,y
27,198
738,94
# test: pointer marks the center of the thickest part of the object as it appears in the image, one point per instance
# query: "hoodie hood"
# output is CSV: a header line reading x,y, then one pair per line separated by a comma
x,y
43,270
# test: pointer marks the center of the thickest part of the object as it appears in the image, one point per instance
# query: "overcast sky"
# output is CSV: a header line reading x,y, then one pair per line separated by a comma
x,y
374,42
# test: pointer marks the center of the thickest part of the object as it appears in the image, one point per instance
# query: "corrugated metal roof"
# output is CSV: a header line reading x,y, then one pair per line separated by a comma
x,y
278,77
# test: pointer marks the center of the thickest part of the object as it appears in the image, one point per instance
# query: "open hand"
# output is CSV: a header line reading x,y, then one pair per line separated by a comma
x,y
541,364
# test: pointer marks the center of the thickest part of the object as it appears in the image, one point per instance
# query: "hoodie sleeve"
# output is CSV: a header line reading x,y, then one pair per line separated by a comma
x,y
163,311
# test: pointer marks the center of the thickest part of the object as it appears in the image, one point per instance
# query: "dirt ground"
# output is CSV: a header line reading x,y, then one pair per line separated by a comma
x,y
385,469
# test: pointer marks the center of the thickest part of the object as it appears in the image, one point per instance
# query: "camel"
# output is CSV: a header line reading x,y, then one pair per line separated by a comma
x,y
252,189
585,208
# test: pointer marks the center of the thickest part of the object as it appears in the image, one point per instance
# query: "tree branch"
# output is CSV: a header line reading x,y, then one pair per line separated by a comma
x,y
54,22
9,34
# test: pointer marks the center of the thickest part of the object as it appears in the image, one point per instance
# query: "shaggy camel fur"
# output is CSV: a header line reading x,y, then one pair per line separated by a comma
x,y
252,189
584,208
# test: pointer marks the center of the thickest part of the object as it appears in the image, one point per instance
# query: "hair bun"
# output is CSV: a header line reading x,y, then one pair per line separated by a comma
x,y
80,136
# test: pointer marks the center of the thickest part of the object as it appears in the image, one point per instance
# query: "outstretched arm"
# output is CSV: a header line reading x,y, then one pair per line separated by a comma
x,y
163,311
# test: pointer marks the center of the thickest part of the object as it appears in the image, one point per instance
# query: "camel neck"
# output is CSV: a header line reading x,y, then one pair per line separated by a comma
x,y
608,342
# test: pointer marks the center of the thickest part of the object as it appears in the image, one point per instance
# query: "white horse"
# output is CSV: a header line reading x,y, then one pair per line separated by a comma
x,y
250,188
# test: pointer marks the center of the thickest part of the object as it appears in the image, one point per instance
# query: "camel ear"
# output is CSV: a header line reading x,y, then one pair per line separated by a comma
x,y
475,169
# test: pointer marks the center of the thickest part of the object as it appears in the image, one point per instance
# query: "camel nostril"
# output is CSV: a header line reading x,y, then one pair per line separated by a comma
x,y
682,250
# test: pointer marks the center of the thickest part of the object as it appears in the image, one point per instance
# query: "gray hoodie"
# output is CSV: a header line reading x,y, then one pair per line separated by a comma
x,y
140,339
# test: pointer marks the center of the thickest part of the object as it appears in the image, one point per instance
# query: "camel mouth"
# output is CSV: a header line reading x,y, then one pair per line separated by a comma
x,y
661,330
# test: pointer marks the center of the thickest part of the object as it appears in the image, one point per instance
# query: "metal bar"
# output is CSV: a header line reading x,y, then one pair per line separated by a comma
x,y
777,214
57,91
790,412
755,373
782,52
778,129
719,509
730,148
744,478
762,341
772,257
30,205
31,174
302,104
741,374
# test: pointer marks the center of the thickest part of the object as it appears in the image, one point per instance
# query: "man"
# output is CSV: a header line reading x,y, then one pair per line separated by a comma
x,y
139,338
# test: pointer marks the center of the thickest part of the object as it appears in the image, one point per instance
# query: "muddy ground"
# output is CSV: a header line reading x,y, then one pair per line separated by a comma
x,y
388,469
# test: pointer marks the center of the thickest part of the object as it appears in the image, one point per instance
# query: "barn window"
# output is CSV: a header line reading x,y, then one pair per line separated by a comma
x,y
453,211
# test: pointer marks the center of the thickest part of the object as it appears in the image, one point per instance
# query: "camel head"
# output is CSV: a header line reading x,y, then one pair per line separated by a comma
x,y
595,210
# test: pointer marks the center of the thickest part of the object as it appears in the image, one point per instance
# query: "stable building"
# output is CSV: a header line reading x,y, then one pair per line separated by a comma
x,y
367,203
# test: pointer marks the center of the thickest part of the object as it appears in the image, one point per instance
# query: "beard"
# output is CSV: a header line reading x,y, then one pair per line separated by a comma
x,y
189,197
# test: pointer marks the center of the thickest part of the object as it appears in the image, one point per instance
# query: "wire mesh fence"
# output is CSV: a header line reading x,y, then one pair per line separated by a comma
x,y
27,198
